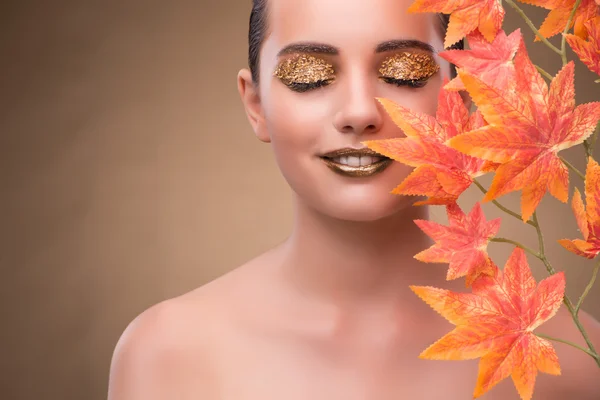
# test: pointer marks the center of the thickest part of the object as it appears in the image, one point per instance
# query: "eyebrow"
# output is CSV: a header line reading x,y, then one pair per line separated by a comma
x,y
318,48
321,48
401,44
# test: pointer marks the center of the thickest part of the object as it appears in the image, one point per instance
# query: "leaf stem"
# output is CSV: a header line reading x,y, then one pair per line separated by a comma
x,y
500,206
533,28
543,72
563,43
572,167
588,287
590,143
541,241
566,299
527,249
593,139
571,309
594,355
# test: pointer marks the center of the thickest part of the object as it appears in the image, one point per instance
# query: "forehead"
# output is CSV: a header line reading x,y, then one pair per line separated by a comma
x,y
349,24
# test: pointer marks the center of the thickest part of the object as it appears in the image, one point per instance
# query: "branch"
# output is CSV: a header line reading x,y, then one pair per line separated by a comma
x,y
542,252
572,167
588,287
566,300
527,249
500,206
544,73
533,28
594,355
563,43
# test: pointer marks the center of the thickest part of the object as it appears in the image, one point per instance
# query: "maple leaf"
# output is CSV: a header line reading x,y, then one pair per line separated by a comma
x,y
556,20
588,222
491,62
527,128
465,17
462,244
496,322
441,173
588,51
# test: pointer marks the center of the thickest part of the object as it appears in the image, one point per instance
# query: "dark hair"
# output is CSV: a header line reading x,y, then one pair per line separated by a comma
x,y
258,31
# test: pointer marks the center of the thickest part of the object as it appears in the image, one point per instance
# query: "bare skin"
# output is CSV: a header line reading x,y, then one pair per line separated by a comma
x,y
248,335
328,313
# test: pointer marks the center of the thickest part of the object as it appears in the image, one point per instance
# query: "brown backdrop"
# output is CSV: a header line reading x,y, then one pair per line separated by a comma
x,y
128,172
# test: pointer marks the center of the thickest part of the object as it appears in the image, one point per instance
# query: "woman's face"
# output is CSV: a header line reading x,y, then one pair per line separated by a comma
x,y
323,63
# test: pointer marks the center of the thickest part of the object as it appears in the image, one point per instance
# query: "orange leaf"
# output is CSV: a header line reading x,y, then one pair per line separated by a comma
x,y
491,62
425,181
442,173
557,19
588,222
463,243
465,17
496,323
588,51
528,127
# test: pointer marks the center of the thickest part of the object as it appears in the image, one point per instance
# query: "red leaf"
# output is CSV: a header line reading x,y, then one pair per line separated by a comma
x,y
528,127
557,19
441,173
491,62
588,51
465,17
463,243
496,322
588,222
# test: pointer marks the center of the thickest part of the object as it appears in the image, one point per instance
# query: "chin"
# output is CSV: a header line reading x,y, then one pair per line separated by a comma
x,y
358,203
371,200
365,209
351,199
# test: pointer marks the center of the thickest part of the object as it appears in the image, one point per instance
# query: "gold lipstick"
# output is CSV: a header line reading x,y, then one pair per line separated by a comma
x,y
356,162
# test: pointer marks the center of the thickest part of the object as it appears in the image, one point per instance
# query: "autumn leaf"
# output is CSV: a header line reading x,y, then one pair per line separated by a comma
x,y
491,62
588,221
557,19
441,173
496,322
527,128
465,17
462,244
588,51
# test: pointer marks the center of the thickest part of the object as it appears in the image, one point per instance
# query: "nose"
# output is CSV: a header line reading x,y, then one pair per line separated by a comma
x,y
359,111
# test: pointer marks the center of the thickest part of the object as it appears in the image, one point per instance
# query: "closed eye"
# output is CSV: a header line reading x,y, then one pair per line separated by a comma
x,y
411,83
305,87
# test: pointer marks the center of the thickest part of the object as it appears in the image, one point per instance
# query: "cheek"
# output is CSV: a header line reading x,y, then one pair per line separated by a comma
x,y
296,122
424,100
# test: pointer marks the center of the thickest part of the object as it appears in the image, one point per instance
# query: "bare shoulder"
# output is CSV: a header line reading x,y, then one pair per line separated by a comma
x,y
580,374
158,350
171,349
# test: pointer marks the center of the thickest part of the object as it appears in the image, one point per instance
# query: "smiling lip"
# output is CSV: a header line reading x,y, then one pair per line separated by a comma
x,y
356,162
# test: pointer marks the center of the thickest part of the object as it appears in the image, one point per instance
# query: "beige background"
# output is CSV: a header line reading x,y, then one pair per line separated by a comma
x,y
128,173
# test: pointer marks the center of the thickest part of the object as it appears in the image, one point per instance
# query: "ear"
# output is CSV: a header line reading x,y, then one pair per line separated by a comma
x,y
251,99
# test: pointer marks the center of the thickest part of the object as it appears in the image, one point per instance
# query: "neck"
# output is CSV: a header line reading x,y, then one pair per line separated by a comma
x,y
358,262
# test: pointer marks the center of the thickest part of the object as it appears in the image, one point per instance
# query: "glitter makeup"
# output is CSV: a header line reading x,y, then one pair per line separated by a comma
x,y
304,72
407,66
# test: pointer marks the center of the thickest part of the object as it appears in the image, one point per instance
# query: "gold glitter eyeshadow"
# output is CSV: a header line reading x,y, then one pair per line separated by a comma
x,y
304,69
409,66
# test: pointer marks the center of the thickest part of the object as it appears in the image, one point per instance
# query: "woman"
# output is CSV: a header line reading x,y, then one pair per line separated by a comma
x,y
328,313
